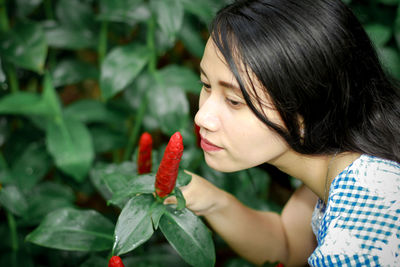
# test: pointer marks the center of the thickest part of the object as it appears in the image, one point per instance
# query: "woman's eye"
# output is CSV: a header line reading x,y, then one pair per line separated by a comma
x,y
233,103
205,85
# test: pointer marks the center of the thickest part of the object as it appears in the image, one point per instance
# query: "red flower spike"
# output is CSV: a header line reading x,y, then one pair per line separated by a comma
x,y
144,156
115,261
168,169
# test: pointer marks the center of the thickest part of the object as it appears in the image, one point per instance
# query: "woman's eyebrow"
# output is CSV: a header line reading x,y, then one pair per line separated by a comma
x,y
224,83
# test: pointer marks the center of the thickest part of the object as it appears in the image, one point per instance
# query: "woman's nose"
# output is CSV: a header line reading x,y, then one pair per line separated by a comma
x,y
207,116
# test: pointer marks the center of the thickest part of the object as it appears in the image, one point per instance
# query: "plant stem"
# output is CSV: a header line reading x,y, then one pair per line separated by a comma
x,y
12,78
102,47
13,231
136,128
4,25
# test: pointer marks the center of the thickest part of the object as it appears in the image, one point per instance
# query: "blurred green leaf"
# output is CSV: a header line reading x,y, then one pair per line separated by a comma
x,y
189,236
112,178
169,15
70,144
134,225
31,167
55,196
390,2
25,46
169,106
182,77
106,139
397,28
75,14
24,103
60,36
380,34
390,58
128,11
50,97
120,67
202,9
192,40
91,111
72,71
72,229
2,73
25,7
12,198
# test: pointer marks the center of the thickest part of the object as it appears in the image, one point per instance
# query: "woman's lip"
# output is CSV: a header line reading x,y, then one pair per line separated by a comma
x,y
208,146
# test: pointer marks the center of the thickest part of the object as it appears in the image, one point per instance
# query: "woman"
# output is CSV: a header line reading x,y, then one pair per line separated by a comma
x,y
297,84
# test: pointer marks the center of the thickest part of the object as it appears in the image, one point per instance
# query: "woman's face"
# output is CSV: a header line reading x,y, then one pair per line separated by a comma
x,y
232,137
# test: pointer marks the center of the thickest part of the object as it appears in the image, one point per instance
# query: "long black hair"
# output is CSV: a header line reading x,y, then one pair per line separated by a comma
x,y
319,69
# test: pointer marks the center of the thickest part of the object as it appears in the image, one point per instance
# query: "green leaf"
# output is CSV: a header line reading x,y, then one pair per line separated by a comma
x,y
140,184
390,2
55,196
106,139
157,210
390,58
70,144
380,34
25,46
2,73
120,67
193,41
189,236
169,106
50,97
202,9
181,77
25,7
60,36
397,28
91,111
180,199
115,176
72,71
31,167
127,11
169,15
13,200
24,103
134,225
27,103
74,230
183,178
75,14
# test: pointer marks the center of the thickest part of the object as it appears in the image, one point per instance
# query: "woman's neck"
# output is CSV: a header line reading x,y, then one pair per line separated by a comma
x,y
316,172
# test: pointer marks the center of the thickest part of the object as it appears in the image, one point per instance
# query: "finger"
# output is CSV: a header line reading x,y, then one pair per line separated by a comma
x,y
170,200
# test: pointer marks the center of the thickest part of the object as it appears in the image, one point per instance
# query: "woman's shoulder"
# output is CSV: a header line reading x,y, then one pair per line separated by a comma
x,y
361,226
377,176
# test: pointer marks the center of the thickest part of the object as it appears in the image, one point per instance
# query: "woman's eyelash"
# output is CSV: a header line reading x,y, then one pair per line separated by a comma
x,y
205,84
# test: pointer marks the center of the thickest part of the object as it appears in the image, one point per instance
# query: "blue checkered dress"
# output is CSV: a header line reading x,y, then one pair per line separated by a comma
x,y
360,225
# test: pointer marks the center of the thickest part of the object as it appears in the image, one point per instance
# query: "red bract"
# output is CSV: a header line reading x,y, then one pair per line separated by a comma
x,y
144,156
115,261
168,169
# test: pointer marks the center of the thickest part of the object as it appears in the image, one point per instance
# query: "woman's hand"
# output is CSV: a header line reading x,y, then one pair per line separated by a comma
x,y
202,197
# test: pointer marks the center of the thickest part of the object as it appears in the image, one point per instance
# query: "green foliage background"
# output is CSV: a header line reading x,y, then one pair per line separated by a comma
x,y
80,80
